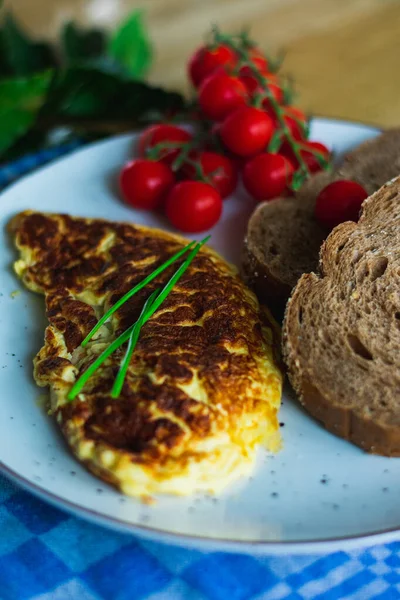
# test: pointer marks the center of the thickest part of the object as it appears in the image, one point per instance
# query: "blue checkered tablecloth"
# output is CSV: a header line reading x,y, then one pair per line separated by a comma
x,y
46,554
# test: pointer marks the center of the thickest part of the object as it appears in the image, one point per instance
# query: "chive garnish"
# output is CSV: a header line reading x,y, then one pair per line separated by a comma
x,y
150,307
81,382
134,290
133,339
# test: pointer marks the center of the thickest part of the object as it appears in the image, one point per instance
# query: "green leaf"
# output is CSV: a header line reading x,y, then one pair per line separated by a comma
x,y
22,55
130,46
140,100
20,102
86,93
82,92
79,45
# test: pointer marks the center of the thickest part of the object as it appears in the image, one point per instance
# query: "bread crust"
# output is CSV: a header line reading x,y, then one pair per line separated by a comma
x,y
258,276
350,421
268,276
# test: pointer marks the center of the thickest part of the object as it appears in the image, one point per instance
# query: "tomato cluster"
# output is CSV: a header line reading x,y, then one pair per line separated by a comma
x,y
242,125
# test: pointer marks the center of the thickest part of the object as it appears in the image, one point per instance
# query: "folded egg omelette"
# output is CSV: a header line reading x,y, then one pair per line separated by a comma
x,y
203,386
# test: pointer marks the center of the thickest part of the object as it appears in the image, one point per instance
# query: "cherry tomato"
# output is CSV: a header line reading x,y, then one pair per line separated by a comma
x,y
267,176
296,113
310,159
206,60
306,152
219,169
338,202
253,87
249,80
247,131
220,94
296,121
163,133
193,206
258,59
296,128
145,183
276,91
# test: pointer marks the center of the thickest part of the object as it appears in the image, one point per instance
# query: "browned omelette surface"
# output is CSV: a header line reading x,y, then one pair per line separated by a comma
x,y
203,388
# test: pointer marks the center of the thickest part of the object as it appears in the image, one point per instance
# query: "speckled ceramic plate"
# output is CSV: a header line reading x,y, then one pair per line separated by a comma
x,y
318,493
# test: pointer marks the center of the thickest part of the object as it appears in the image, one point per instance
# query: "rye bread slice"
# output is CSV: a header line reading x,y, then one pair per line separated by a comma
x,y
341,332
283,238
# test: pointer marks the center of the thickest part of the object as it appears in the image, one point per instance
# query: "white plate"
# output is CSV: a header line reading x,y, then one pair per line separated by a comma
x,y
318,493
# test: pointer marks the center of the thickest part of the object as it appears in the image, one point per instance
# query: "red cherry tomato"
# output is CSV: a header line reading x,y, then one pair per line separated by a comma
x,y
258,59
306,152
249,80
219,169
206,60
296,121
193,206
252,86
145,183
267,176
163,133
220,94
247,131
310,159
296,130
276,91
338,202
296,113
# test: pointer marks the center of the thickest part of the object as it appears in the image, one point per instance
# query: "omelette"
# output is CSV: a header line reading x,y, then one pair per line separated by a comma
x,y
203,387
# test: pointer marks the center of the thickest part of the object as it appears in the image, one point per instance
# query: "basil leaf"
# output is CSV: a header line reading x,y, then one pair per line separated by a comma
x,y
20,53
20,102
79,45
130,46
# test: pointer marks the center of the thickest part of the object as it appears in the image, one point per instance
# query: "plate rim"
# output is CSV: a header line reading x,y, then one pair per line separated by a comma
x,y
322,546
190,540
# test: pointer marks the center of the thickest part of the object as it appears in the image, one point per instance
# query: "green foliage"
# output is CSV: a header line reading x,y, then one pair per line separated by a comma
x,y
130,46
20,101
90,77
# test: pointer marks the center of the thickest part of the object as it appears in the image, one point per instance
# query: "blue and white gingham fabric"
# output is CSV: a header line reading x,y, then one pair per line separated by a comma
x,y
46,554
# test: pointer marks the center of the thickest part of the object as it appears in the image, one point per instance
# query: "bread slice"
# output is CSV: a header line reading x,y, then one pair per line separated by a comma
x,y
341,333
283,238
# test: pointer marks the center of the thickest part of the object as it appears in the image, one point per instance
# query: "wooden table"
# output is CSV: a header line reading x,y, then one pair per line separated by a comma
x,y
343,54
